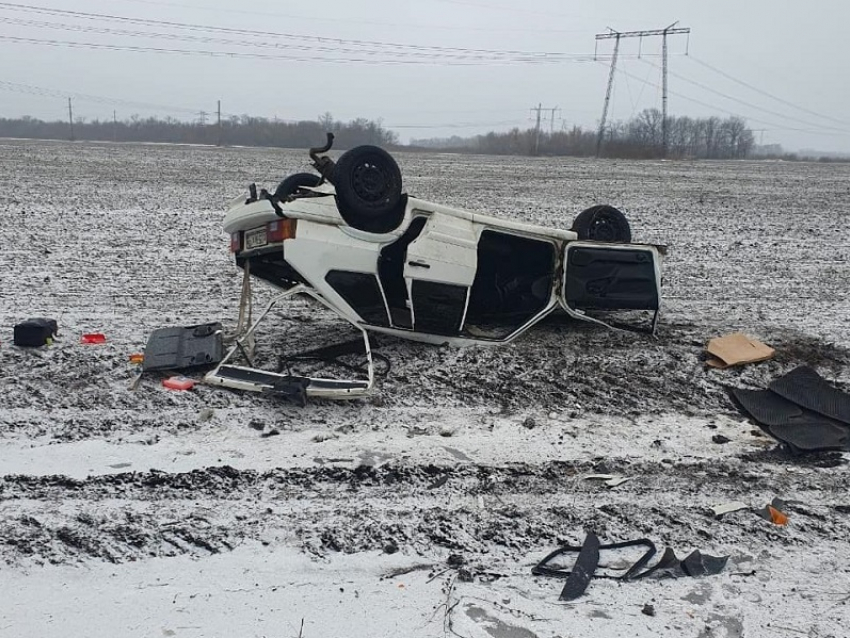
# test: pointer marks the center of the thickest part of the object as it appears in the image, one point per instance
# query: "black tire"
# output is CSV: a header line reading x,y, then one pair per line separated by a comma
x,y
293,183
603,223
368,189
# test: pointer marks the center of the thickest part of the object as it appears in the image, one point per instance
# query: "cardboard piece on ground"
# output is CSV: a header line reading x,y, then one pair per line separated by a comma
x,y
736,349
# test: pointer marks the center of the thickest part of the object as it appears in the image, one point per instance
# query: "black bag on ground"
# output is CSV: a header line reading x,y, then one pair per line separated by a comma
x,y
35,332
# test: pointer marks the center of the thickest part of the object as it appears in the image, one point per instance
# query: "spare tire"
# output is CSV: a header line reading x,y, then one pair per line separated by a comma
x,y
603,223
368,189
294,183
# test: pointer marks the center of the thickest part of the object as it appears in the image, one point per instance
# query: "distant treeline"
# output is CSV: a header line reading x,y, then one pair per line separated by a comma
x,y
640,137
236,131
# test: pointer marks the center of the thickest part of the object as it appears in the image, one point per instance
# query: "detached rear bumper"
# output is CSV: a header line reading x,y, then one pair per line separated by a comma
x,y
297,388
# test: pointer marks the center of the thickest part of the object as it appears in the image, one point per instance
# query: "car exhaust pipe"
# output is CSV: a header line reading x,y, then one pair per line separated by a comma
x,y
325,165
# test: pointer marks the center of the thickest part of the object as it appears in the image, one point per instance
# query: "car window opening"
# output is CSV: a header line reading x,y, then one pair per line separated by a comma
x,y
361,292
513,281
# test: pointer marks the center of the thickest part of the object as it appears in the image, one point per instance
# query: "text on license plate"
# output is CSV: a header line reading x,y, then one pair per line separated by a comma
x,y
255,238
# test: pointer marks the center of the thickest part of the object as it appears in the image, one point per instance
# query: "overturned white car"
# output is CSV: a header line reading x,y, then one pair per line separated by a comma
x,y
389,263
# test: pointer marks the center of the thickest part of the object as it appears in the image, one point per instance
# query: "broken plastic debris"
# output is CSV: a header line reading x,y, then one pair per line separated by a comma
x,y
777,517
179,383
694,564
137,358
583,570
774,512
728,508
611,480
736,349
93,338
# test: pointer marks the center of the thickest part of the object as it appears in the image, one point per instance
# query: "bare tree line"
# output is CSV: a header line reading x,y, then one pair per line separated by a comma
x,y
639,137
236,130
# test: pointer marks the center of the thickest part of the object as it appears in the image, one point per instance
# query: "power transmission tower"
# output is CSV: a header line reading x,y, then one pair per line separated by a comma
x,y
537,128
114,126
539,108
71,119
202,118
552,120
607,91
219,122
616,35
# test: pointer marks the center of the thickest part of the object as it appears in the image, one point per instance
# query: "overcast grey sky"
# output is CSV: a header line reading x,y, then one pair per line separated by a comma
x,y
464,69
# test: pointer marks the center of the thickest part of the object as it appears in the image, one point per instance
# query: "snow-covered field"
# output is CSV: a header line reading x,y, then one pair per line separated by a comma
x,y
420,512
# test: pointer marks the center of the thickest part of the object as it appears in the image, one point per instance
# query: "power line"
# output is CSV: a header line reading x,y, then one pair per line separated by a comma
x,y
254,33
30,89
766,94
749,104
267,56
775,127
242,42
379,23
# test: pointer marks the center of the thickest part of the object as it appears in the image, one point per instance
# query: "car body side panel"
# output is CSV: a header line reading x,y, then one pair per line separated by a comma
x,y
321,248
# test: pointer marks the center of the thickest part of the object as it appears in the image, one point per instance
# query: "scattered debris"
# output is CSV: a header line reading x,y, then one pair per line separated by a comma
x,y
720,439
137,358
583,570
181,348
611,480
736,349
33,333
694,564
728,508
774,512
93,338
648,610
178,383
529,423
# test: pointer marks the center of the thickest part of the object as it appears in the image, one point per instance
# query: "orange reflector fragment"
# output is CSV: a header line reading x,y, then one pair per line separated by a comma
x,y
178,383
93,338
137,358
776,516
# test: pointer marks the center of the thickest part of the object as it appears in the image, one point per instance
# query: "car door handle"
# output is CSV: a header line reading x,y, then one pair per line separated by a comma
x,y
418,264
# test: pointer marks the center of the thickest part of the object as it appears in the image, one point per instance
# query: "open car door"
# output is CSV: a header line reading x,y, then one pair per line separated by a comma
x,y
439,269
599,276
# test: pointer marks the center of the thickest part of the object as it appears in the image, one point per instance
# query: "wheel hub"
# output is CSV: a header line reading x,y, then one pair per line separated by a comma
x,y
369,182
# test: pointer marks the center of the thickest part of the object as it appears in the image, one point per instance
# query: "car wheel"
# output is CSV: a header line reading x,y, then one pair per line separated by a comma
x,y
292,184
603,223
368,188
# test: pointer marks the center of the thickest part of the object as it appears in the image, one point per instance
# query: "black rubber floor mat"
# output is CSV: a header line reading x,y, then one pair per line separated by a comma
x,y
817,435
808,389
583,570
803,430
766,407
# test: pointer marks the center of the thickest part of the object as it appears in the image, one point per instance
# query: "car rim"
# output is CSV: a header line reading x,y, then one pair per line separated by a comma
x,y
369,182
604,230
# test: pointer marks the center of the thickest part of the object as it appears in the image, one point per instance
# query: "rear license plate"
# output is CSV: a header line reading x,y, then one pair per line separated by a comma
x,y
255,238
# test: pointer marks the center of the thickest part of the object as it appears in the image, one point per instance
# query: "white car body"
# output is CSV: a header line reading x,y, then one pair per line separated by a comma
x,y
443,275
445,252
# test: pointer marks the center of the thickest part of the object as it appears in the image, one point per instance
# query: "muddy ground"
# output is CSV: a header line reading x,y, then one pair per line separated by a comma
x,y
474,456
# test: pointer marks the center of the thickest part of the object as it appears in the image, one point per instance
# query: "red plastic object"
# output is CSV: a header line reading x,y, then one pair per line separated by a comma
x,y
93,338
178,383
